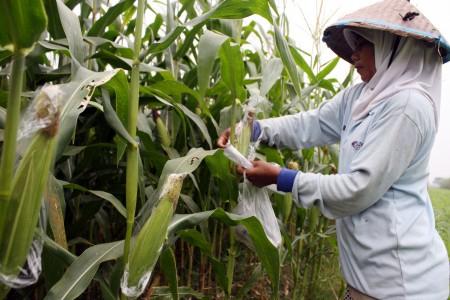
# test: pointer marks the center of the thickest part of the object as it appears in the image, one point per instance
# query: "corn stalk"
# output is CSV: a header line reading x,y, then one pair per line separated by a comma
x,y
12,125
132,152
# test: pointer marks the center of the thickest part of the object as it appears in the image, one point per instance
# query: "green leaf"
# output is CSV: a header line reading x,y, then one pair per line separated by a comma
x,y
228,9
239,9
208,47
195,118
271,74
186,164
287,59
196,239
83,269
80,273
177,89
20,212
54,24
184,291
301,62
21,23
114,121
119,84
55,260
330,67
267,252
74,93
110,16
101,194
232,69
2,117
72,29
199,122
169,268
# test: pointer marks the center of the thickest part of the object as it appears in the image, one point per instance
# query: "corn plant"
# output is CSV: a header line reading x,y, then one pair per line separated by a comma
x,y
146,87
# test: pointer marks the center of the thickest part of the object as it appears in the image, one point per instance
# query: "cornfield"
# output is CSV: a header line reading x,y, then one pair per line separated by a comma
x,y
110,183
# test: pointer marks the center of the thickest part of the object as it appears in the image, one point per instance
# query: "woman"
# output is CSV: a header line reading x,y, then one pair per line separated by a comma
x,y
386,125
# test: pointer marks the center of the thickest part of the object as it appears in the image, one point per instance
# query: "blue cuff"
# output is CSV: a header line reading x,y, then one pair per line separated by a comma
x,y
285,180
256,132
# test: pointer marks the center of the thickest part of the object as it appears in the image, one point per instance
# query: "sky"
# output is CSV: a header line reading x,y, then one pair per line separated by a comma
x,y
436,11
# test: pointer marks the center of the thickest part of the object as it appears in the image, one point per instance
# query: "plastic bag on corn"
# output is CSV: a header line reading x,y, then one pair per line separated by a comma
x,y
42,113
252,201
31,270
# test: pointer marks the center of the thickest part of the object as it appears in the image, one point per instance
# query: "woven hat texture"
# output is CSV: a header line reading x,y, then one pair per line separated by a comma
x,y
396,16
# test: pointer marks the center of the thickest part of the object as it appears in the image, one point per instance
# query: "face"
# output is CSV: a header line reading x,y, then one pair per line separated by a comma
x,y
363,58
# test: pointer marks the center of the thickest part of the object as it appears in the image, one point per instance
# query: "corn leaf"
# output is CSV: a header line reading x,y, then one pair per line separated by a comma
x,y
169,268
232,69
114,121
186,164
267,253
301,62
208,47
72,29
287,59
109,17
184,291
76,92
20,213
228,9
270,75
101,194
195,118
22,22
54,26
329,67
81,272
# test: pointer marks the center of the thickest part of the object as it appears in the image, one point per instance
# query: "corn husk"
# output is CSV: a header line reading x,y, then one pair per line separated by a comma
x,y
20,212
149,242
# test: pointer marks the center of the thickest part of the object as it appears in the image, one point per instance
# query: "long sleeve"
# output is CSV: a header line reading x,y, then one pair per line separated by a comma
x,y
316,127
386,153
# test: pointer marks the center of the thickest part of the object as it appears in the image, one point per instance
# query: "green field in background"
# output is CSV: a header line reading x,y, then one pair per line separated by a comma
x,y
441,206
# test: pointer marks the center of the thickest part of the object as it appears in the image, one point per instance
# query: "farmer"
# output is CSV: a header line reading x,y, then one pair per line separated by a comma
x,y
388,245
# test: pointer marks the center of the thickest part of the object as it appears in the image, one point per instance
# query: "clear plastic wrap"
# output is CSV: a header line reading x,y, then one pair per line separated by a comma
x,y
252,201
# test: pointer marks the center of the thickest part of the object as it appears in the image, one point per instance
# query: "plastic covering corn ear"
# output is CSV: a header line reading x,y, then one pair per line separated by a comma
x,y
42,113
234,155
148,243
133,291
254,201
30,272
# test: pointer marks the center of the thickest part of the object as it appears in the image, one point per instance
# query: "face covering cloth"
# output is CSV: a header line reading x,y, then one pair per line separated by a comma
x,y
415,65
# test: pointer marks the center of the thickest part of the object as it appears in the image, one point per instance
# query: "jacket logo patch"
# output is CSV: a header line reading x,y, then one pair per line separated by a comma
x,y
357,145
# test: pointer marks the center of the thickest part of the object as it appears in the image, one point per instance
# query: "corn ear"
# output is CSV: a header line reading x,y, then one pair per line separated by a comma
x,y
161,128
244,136
150,240
21,210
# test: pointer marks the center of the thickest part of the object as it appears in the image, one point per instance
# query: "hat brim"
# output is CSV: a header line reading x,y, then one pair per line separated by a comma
x,y
334,37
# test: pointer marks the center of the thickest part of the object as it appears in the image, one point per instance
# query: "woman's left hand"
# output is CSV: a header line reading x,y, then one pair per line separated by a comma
x,y
261,174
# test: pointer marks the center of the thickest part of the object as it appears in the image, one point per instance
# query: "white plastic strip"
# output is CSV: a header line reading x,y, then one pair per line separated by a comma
x,y
234,155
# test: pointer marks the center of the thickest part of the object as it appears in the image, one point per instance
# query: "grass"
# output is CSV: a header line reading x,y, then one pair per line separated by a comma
x,y
441,206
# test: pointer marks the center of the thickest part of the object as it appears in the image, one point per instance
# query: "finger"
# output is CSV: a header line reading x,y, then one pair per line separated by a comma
x,y
221,142
240,169
223,138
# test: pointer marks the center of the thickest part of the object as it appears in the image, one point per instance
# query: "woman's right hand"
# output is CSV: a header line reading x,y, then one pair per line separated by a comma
x,y
222,141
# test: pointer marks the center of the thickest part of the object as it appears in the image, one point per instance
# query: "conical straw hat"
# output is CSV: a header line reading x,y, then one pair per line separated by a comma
x,y
397,16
